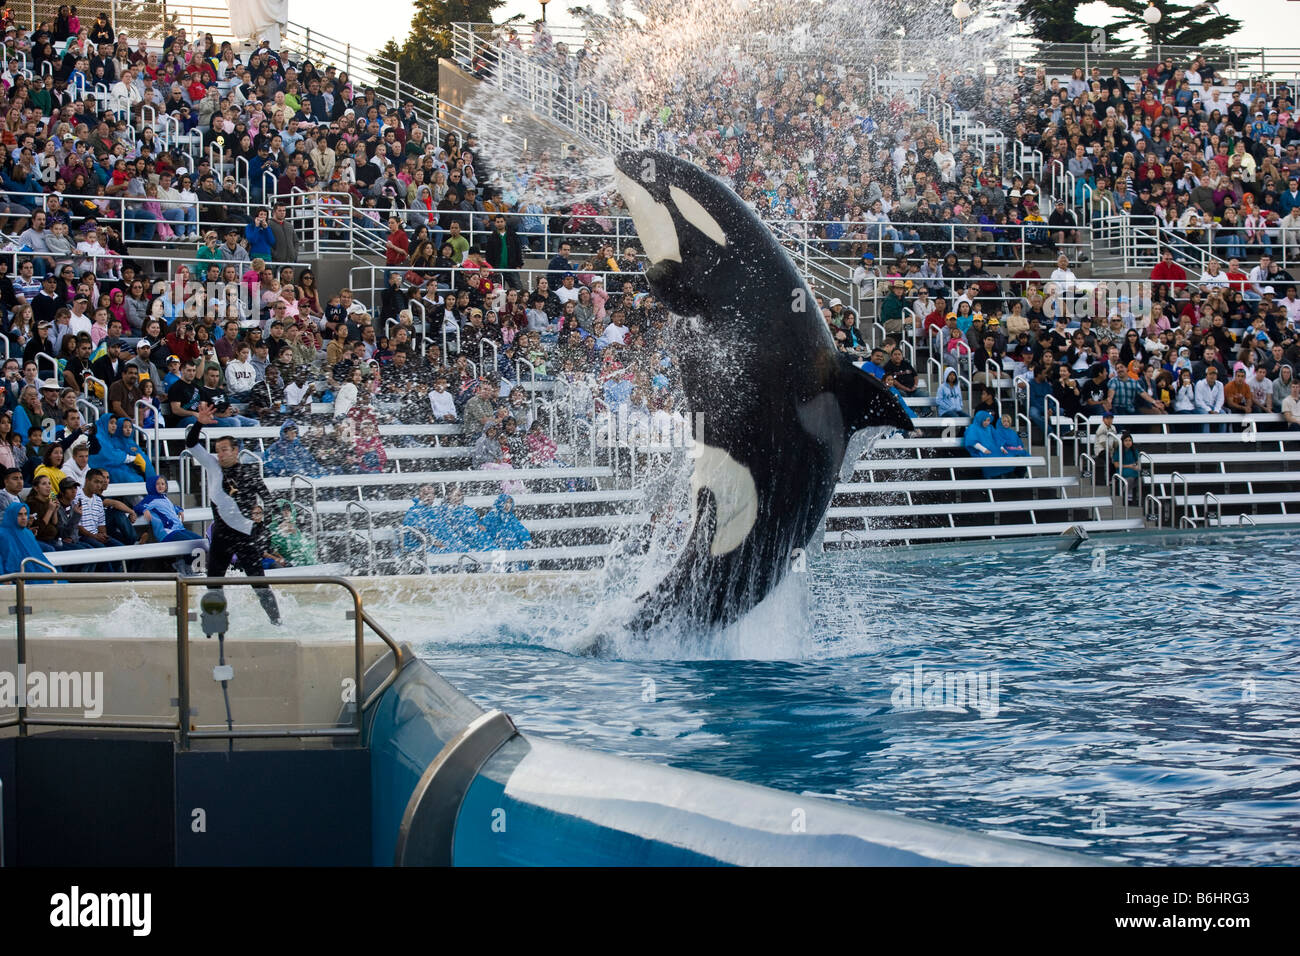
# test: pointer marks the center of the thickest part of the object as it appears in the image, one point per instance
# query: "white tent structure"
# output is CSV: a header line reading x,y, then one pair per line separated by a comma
x,y
259,20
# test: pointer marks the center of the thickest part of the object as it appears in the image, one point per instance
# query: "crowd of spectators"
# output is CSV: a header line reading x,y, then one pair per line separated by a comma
x,y
1215,162
461,323
852,168
261,342
1222,341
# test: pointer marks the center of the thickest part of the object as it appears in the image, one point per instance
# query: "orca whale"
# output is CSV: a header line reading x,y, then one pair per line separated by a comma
x,y
779,401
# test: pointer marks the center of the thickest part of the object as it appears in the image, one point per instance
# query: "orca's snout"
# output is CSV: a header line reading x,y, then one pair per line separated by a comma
x,y
628,162
651,170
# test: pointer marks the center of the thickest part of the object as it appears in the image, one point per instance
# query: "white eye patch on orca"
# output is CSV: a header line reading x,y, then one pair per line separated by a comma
x,y
654,221
697,215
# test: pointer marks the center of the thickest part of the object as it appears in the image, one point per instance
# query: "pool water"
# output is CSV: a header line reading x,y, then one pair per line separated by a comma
x,y
1136,699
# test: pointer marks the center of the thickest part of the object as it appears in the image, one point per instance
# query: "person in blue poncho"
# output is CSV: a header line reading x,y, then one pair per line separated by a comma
x,y
1010,444
503,527
113,448
128,437
452,526
17,542
460,528
981,441
290,456
166,520
949,397
426,515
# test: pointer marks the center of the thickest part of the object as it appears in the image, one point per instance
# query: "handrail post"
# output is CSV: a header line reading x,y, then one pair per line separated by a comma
x,y
359,655
182,663
20,597
1174,478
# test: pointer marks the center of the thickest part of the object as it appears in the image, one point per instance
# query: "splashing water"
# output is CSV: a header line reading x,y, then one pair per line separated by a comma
x,y
679,74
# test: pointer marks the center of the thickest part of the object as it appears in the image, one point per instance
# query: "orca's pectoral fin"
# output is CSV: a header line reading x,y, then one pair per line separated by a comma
x,y
865,402
672,282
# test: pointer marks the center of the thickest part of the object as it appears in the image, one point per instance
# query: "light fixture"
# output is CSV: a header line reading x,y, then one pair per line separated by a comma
x,y
1152,14
543,3
961,10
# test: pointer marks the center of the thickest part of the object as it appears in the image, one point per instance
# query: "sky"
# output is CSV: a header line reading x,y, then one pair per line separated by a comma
x,y
1263,21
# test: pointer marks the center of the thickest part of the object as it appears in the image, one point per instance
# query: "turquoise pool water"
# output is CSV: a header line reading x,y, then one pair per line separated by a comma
x,y
1137,699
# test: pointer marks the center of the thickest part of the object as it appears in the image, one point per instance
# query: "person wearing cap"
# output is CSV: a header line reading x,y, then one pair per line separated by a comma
x,y
143,362
1237,396
891,309
1064,225
568,289
172,373
1106,437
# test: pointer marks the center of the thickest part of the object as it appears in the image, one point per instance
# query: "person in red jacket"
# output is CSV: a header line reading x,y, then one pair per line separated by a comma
x,y
936,319
1166,270
1237,280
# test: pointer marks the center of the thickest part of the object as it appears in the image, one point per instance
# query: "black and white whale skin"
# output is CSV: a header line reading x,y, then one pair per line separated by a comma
x,y
779,401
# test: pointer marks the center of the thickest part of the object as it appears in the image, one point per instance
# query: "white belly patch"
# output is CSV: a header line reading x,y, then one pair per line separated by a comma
x,y
733,489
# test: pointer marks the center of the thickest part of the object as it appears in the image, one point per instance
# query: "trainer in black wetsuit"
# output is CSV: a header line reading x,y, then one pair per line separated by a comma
x,y
234,488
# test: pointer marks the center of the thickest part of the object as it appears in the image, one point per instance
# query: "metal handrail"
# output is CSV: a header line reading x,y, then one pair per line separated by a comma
x,y
1082,429
295,507
1145,466
424,541
89,410
1060,452
1119,479
311,486
181,725
1087,463
54,363
489,343
1159,510
446,351
370,527
1210,497
151,433
85,389
1174,478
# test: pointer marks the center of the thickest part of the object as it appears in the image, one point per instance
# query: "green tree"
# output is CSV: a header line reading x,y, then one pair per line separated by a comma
x,y
1189,24
431,37
1054,21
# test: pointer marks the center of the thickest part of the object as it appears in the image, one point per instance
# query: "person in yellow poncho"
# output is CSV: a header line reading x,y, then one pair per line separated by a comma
x,y
51,465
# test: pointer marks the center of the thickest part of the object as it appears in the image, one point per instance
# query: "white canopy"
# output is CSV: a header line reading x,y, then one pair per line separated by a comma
x,y
259,20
